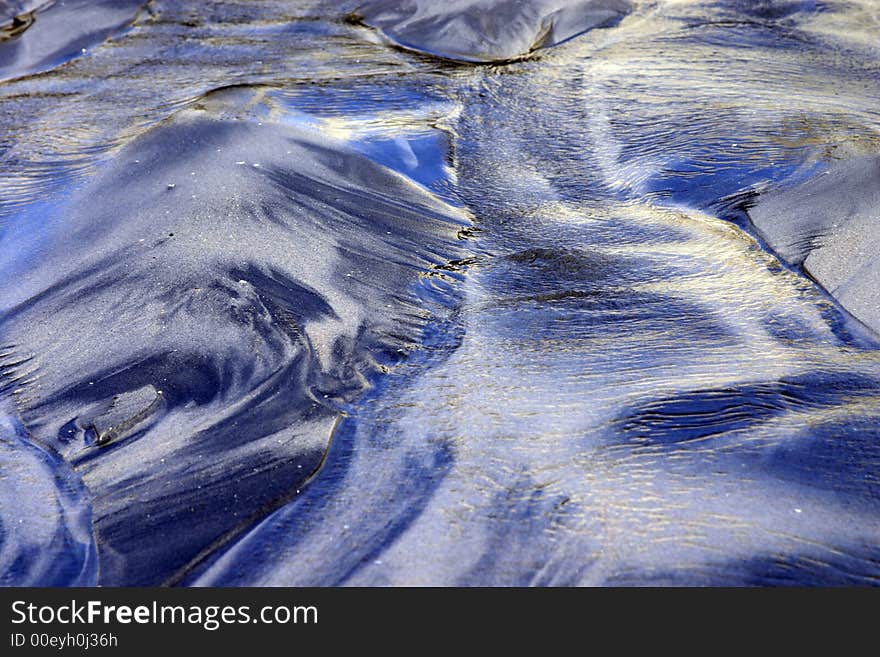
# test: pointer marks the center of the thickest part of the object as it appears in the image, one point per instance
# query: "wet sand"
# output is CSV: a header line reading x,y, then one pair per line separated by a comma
x,y
549,293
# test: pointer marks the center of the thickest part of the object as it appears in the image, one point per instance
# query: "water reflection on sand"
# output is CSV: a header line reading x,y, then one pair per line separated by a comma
x,y
285,303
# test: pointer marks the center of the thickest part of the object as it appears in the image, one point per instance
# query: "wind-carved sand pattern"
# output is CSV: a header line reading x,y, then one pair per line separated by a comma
x,y
485,31
235,283
470,293
39,35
